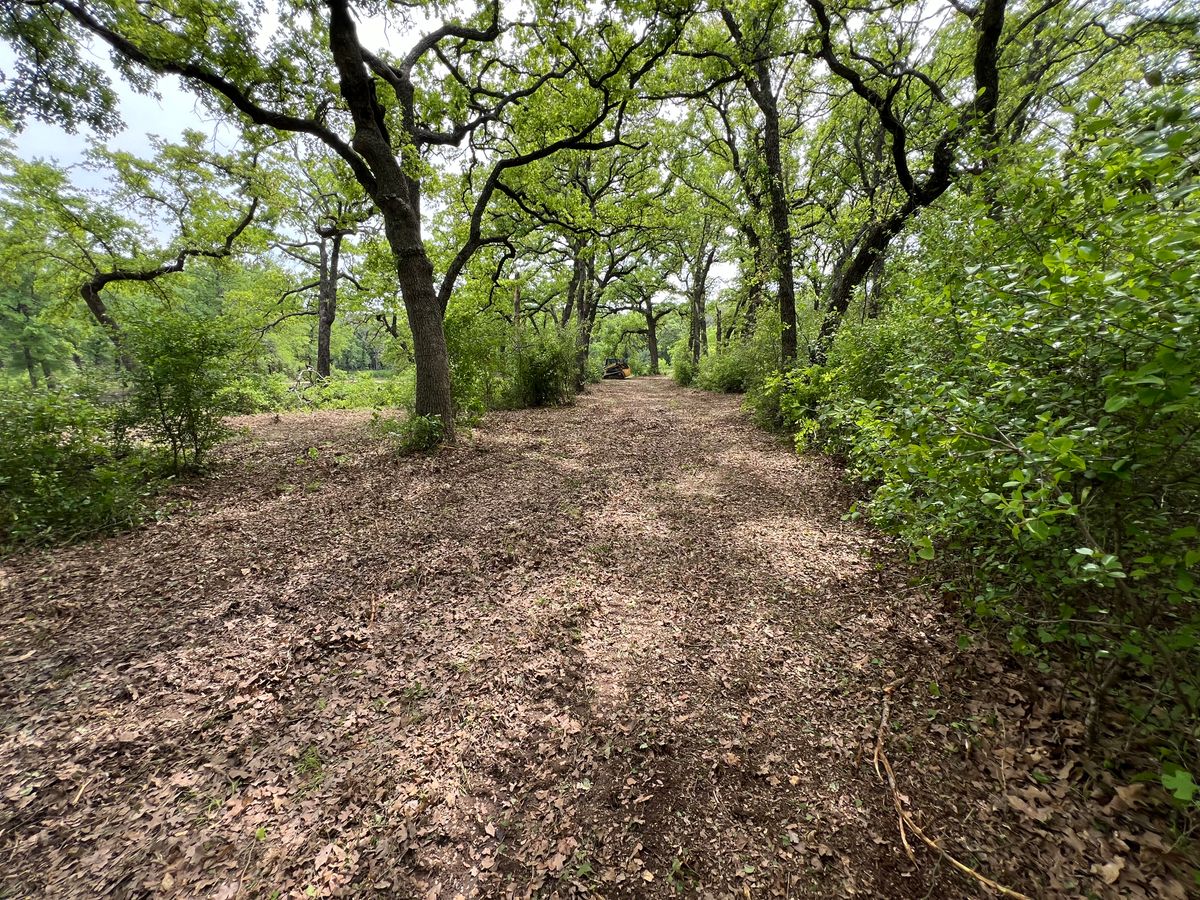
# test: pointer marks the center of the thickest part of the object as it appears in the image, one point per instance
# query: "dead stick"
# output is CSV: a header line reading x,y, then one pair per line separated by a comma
x,y
905,818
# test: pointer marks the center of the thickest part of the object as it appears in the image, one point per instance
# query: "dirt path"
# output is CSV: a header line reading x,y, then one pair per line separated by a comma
x,y
628,647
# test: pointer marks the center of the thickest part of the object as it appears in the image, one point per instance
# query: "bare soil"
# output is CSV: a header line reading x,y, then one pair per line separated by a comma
x,y
631,648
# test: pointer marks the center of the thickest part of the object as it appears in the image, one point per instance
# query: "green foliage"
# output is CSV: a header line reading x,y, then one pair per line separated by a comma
x,y
683,369
543,367
476,342
355,390
1032,419
245,394
182,365
743,365
411,434
64,471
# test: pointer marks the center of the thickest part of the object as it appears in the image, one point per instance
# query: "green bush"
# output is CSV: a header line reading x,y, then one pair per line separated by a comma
x,y
355,390
64,471
1029,414
683,368
177,399
728,371
246,394
411,434
476,342
543,367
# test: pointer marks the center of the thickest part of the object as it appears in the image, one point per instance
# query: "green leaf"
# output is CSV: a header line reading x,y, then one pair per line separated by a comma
x,y
1181,785
1118,403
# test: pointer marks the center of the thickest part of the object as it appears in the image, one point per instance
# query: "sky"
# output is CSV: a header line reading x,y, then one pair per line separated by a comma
x,y
176,109
143,115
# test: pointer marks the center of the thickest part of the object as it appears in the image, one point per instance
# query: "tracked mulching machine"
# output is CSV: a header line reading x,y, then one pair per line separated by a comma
x,y
617,368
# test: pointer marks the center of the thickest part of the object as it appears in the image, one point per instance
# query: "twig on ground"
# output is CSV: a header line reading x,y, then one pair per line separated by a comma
x,y
883,768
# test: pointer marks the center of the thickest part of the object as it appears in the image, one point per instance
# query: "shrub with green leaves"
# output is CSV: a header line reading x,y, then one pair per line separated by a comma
x,y
742,364
476,342
683,368
257,393
1028,409
410,434
543,367
64,472
177,401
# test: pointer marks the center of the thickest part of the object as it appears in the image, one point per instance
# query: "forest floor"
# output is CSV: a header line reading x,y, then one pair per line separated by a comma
x,y
629,648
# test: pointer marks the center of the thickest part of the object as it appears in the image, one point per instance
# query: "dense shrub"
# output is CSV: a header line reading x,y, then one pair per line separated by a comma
x,y
64,471
411,434
741,364
177,399
257,393
683,368
476,343
1029,411
357,390
543,367
726,371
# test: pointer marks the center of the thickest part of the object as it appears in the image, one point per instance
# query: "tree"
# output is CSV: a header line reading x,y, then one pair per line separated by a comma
x,y
332,208
82,240
377,122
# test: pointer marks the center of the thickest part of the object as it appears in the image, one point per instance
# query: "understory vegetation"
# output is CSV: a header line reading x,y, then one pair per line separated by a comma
x,y
952,245
1022,400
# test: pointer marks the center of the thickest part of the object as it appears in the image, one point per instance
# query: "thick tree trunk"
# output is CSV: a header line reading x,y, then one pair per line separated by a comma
x,y
398,197
587,303
432,360
327,300
652,337
780,222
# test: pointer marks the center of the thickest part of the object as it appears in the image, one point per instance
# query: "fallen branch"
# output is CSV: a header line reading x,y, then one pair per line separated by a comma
x,y
883,769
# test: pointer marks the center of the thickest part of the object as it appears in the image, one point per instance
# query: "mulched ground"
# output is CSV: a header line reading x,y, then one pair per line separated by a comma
x,y
629,648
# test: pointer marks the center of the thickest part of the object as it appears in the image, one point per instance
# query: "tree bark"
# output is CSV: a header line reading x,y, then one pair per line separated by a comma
x,y
859,260
754,290
781,229
91,296
698,323
652,335
762,92
331,248
30,368
587,303
397,196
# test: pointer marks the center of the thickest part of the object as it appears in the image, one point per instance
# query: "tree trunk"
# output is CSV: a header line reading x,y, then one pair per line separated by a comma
x,y
575,288
850,272
430,355
398,197
327,300
91,296
29,366
754,290
587,303
652,336
780,222
698,324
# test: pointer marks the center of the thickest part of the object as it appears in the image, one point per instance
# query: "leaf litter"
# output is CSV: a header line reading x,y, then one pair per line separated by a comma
x,y
629,648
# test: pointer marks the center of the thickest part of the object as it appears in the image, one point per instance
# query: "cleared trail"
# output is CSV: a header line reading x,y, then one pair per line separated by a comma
x,y
628,647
